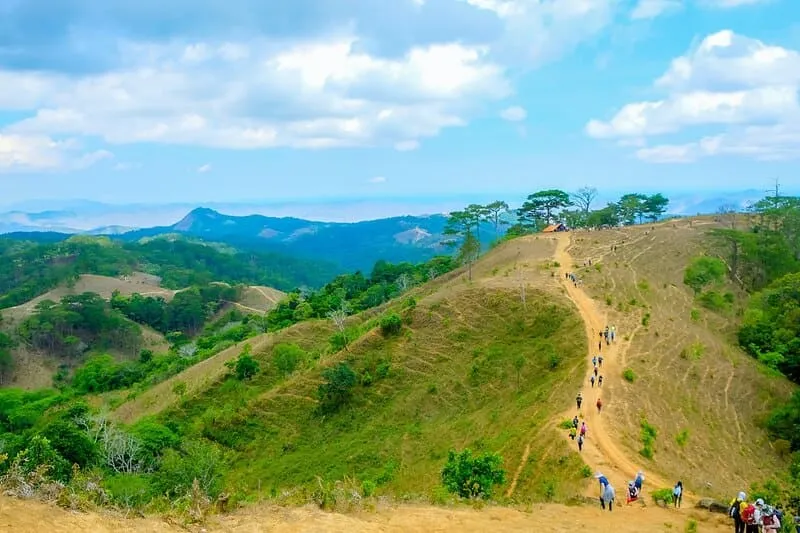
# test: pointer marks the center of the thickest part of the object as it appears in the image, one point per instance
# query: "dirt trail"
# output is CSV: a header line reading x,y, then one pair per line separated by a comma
x,y
33,517
600,451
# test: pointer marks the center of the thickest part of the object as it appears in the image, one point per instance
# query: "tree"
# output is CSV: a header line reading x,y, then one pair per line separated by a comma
x,y
542,206
338,317
469,252
727,214
246,367
121,451
583,199
337,389
472,476
607,217
655,206
477,214
495,211
631,207
6,358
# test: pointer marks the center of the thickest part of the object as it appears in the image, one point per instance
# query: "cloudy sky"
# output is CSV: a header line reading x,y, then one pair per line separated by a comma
x,y
225,100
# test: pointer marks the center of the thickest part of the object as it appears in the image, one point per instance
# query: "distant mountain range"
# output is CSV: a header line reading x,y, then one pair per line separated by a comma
x,y
350,245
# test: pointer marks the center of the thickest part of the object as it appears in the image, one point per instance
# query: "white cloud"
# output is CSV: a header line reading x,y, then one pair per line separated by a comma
x,y
318,94
649,9
732,3
377,179
41,153
746,89
539,31
202,169
514,114
406,146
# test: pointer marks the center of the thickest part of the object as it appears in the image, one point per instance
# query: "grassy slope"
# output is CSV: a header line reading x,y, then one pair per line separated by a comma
x,y
720,396
452,383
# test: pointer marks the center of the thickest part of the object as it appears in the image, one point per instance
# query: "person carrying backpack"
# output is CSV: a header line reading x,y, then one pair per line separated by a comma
x,y
608,497
600,380
677,494
600,361
580,443
594,361
573,432
751,515
579,400
735,509
583,429
575,422
770,520
599,405
591,380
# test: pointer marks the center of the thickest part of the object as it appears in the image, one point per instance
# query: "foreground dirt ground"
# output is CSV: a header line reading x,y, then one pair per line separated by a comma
x,y
25,516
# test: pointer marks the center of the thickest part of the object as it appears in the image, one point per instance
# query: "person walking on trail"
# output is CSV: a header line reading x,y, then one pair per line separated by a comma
x,y
573,432
677,494
595,371
600,361
608,497
735,509
751,516
579,400
639,481
770,520
591,379
602,479
613,333
599,405
575,422
600,346
580,443
600,381
584,429
594,361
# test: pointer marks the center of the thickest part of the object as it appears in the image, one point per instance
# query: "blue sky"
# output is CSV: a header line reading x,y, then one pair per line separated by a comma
x,y
228,100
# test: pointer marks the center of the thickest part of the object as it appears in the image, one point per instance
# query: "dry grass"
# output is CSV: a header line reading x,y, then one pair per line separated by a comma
x,y
260,299
714,391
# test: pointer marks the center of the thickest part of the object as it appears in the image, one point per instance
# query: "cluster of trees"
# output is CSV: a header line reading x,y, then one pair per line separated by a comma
x,y
79,323
49,432
355,292
29,269
186,312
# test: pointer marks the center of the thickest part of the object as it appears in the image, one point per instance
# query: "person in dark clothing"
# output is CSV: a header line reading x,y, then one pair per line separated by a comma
x,y
579,401
591,380
600,381
600,361
580,443
600,346
599,405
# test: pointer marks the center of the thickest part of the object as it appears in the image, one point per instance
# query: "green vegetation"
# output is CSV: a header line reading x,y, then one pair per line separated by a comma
x,y
682,437
472,476
648,435
628,375
662,496
704,271
29,269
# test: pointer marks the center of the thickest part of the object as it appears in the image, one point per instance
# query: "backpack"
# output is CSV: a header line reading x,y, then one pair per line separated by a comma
x,y
733,512
749,514
768,520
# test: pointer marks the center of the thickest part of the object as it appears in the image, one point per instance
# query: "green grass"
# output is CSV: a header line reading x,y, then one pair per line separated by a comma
x,y
682,437
453,384
648,436
628,375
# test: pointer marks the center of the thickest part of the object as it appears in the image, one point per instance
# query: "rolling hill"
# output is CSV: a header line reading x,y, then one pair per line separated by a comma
x,y
493,364
352,246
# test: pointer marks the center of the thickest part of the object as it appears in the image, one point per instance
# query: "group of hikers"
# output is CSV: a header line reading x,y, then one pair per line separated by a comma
x,y
608,495
573,278
757,516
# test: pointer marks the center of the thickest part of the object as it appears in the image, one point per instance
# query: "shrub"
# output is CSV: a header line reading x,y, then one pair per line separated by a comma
x,y
682,438
713,300
565,424
662,496
472,476
628,375
646,319
71,442
40,453
287,357
245,367
197,460
368,488
145,356
695,315
382,370
586,471
129,490
337,388
391,324
703,271
648,436
179,388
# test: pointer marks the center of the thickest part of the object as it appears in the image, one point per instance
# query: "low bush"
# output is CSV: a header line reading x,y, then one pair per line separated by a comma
x,y
472,476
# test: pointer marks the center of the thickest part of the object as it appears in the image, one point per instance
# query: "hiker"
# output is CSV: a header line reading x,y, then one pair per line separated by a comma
x,y
584,429
573,432
579,400
594,361
735,509
600,346
575,422
639,481
580,443
595,371
608,496
600,361
770,520
677,494
600,381
751,516
591,379
599,405
633,492
613,333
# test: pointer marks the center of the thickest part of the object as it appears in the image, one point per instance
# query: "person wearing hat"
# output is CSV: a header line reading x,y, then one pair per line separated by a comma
x,y
770,521
753,526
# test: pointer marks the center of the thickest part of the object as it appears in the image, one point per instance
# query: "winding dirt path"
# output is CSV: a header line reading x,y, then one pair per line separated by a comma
x,y
600,451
